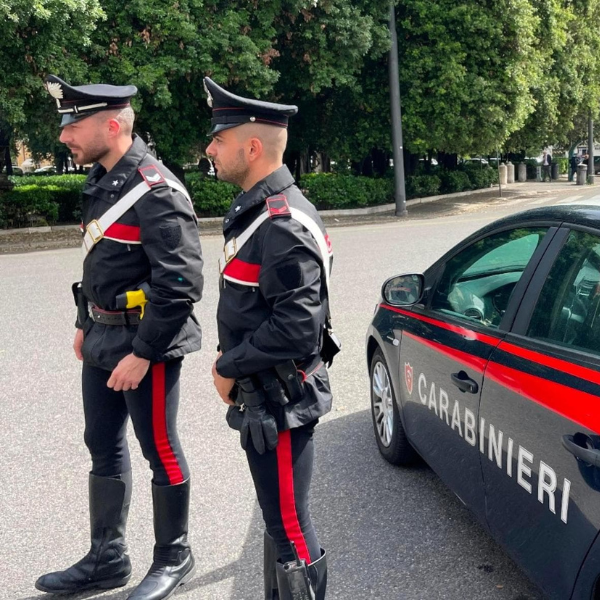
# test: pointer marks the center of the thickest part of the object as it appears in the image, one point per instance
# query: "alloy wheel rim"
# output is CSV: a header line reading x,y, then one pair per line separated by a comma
x,y
383,408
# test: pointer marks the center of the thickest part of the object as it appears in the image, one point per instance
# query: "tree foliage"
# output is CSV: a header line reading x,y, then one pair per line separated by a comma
x,y
38,37
476,75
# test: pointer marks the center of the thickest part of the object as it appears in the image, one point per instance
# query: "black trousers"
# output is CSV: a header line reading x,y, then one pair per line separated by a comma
x,y
282,480
153,410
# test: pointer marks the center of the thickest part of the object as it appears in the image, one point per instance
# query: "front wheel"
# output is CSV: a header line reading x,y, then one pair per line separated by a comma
x,y
389,431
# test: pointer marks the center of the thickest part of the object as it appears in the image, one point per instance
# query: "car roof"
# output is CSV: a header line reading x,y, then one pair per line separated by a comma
x,y
575,214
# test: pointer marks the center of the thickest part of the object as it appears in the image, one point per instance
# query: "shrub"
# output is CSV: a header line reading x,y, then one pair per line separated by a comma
x,y
481,177
419,186
28,204
211,198
331,191
563,164
66,192
454,181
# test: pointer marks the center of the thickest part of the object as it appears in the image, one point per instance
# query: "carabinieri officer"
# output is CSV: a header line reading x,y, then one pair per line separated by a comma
x,y
142,273
274,331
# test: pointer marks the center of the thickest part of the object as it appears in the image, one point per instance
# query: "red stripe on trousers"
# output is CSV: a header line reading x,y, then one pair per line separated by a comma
x,y
159,424
287,501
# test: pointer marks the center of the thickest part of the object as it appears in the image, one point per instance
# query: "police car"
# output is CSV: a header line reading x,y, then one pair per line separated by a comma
x,y
488,367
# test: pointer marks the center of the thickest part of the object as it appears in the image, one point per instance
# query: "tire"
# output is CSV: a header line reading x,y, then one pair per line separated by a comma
x,y
391,438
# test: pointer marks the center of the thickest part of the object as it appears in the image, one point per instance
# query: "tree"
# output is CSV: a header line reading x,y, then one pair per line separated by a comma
x,y
286,50
569,86
37,38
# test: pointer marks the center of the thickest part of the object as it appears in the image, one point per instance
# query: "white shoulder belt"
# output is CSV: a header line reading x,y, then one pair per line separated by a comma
x,y
233,246
95,230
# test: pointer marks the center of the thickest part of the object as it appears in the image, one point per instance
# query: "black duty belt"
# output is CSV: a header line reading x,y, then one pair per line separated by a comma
x,y
115,317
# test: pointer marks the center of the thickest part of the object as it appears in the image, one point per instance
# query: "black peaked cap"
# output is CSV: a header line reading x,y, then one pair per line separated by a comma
x,y
230,110
78,102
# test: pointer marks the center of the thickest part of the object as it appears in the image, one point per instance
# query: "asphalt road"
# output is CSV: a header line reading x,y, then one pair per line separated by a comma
x,y
391,533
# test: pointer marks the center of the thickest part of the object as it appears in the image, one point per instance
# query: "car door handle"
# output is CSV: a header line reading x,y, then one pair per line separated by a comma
x,y
464,383
591,457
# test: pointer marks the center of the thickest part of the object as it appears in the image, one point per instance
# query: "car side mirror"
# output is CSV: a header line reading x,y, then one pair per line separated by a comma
x,y
403,290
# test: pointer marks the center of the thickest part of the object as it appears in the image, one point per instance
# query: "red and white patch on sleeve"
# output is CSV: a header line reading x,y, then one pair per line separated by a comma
x,y
152,176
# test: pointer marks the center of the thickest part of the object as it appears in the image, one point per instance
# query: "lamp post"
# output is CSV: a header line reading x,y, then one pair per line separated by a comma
x,y
399,190
591,167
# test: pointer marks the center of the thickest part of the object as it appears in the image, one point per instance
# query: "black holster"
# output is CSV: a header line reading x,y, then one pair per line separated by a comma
x,y
83,313
331,345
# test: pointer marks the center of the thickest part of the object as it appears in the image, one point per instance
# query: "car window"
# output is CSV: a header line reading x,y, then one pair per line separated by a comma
x,y
568,309
477,283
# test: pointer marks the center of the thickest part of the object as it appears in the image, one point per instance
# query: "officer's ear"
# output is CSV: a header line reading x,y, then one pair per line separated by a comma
x,y
114,127
255,148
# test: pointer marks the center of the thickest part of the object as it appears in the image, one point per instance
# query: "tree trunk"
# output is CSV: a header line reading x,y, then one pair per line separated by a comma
x,y
411,162
381,161
448,161
8,161
5,134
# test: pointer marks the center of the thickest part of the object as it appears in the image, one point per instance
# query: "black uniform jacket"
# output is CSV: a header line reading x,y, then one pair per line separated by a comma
x,y
277,307
155,242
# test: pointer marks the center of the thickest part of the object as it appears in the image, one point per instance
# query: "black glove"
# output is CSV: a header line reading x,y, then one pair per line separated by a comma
x,y
258,424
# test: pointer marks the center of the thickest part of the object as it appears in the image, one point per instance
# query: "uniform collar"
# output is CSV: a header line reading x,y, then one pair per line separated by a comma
x,y
114,179
271,185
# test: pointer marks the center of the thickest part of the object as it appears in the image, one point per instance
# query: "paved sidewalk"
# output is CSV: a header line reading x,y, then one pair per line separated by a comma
x,y
68,236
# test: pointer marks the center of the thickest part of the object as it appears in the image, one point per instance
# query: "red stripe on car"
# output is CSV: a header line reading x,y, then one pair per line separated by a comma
x,y
464,357
554,363
573,404
467,333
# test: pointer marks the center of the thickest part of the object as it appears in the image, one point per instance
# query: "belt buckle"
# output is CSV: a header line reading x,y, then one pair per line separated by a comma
x,y
95,231
230,250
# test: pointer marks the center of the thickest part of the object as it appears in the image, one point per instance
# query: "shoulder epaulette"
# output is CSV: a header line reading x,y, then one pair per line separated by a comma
x,y
278,206
152,176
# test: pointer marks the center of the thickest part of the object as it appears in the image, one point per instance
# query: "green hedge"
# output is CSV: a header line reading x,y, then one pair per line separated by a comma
x,y
420,186
329,191
211,198
481,177
36,200
29,205
66,192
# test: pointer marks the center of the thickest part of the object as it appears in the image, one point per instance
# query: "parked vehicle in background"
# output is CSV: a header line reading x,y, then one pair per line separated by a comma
x,y
15,171
28,166
475,161
49,170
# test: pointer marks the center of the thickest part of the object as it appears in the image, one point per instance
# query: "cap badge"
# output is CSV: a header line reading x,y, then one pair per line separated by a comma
x,y
54,89
209,99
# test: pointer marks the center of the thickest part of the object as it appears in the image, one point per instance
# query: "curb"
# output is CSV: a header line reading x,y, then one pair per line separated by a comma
x,y
348,212
374,210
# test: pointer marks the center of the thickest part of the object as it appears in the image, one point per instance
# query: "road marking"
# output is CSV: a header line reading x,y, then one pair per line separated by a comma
x,y
591,201
569,199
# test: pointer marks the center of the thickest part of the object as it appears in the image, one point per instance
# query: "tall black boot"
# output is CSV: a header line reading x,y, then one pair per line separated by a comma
x,y
289,581
270,558
107,564
173,563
